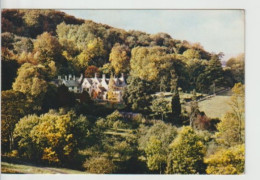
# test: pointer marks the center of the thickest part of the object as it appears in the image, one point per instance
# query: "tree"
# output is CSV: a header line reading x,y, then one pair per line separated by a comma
x,y
14,106
156,155
195,68
231,129
187,153
227,161
24,45
31,80
93,54
55,137
213,75
137,95
194,109
161,130
99,165
176,106
9,69
160,106
47,48
7,40
228,130
120,58
192,54
237,67
91,71
65,98
237,103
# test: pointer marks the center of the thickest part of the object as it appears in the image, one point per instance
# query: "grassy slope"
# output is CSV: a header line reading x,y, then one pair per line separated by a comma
x,y
10,168
214,107
217,106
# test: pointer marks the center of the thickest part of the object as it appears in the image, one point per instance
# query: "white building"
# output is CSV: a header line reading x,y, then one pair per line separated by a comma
x,y
98,88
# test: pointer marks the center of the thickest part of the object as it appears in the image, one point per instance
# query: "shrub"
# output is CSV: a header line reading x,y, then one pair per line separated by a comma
x,y
99,165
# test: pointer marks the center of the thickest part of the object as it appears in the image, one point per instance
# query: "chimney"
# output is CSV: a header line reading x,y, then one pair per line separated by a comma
x,y
95,75
103,77
122,78
69,77
65,78
74,78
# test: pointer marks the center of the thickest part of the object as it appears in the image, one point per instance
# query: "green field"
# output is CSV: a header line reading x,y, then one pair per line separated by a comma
x,y
10,168
214,107
217,106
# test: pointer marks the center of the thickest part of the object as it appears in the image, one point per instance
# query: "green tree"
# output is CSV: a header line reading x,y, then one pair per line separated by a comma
x,y
26,147
137,95
176,106
237,67
192,54
213,75
14,106
227,161
160,106
187,153
162,131
31,80
9,69
156,155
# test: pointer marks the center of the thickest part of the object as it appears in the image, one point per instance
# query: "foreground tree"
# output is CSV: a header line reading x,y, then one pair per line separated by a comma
x,y
231,129
14,106
227,161
99,165
52,137
156,155
187,153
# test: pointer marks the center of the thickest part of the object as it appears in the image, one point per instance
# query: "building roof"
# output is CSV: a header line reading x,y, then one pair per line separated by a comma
x,y
71,83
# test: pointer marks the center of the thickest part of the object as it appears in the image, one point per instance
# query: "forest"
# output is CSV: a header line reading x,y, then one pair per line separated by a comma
x,y
167,132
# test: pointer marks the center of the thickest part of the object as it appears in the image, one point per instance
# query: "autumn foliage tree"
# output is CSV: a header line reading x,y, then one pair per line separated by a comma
x,y
120,58
90,71
187,153
227,161
231,128
52,137
47,48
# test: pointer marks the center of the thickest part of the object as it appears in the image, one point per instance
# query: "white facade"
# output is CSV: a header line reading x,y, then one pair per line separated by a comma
x,y
96,87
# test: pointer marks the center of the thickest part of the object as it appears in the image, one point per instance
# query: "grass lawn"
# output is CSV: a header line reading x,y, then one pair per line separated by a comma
x,y
217,106
10,168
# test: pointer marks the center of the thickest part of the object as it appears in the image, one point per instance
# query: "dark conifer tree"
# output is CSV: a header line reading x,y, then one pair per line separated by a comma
x,y
176,106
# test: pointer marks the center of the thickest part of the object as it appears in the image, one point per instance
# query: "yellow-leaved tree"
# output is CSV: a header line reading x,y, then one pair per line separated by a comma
x,y
227,161
187,153
54,137
231,129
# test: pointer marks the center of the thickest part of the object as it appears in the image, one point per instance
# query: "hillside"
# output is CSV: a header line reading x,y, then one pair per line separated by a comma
x,y
217,106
